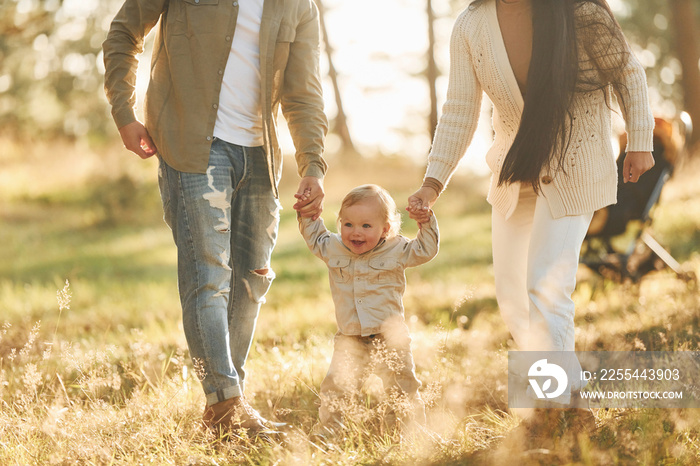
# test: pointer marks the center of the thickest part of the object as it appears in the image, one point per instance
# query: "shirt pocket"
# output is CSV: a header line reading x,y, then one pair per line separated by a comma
x,y
183,17
339,268
382,270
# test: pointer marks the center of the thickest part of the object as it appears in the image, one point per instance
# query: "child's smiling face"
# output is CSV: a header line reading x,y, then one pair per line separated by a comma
x,y
362,226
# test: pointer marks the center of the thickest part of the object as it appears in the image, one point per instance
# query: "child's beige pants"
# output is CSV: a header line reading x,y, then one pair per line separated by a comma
x,y
386,355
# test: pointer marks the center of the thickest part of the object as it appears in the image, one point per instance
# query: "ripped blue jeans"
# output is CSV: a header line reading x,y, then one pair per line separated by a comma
x,y
225,224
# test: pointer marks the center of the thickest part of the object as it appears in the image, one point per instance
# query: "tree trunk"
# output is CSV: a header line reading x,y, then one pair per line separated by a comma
x,y
432,71
340,125
688,52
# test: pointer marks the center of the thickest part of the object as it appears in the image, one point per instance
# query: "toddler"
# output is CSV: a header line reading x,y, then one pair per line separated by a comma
x,y
366,263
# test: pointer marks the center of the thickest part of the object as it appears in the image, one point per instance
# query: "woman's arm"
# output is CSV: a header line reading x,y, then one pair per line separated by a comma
x,y
460,113
455,130
609,51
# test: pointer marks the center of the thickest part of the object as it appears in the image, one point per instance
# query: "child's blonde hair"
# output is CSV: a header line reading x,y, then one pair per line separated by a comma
x,y
386,203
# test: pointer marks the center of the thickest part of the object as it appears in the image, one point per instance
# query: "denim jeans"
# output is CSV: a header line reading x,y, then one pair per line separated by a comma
x,y
225,224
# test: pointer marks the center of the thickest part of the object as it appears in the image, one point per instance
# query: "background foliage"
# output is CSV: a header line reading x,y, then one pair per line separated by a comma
x,y
51,61
94,368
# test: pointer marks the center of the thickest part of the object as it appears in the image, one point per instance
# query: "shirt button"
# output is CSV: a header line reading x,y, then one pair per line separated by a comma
x,y
208,138
228,38
359,301
221,71
235,3
215,106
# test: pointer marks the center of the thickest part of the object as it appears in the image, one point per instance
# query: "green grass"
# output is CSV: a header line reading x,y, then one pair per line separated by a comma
x,y
104,377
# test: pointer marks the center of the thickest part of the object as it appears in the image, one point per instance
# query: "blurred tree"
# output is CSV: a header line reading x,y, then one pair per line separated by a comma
x,y
50,68
665,36
431,71
686,20
340,122
51,65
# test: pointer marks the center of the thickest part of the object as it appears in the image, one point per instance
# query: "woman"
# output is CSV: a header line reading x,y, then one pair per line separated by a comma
x,y
550,67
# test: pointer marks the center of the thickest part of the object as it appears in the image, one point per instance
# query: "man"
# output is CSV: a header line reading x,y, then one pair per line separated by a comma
x,y
220,70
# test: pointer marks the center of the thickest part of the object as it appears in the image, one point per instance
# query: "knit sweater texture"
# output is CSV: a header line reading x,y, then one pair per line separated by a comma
x,y
587,179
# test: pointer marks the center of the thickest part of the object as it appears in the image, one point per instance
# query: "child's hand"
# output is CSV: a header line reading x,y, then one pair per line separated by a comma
x,y
304,196
419,212
309,197
301,199
419,204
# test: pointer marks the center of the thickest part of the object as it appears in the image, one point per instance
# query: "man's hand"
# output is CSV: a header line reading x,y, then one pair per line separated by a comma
x,y
635,164
136,139
419,204
309,197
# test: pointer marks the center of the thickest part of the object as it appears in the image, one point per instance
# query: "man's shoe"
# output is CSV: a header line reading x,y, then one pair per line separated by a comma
x,y
266,422
232,415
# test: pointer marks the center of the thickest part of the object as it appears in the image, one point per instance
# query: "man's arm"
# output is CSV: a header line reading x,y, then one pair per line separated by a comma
x,y
302,95
123,43
302,106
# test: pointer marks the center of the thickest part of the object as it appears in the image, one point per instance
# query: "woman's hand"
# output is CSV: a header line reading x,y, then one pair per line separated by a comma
x,y
635,164
419,204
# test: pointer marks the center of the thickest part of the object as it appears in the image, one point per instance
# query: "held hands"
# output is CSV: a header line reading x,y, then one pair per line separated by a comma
x,y
419,204
136,139
309,197
635,164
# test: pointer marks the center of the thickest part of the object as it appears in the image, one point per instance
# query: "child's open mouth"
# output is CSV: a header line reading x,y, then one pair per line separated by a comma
x,y
357,243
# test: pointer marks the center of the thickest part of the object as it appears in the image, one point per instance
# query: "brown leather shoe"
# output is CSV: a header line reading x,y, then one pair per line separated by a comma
x,y
232,415
267,423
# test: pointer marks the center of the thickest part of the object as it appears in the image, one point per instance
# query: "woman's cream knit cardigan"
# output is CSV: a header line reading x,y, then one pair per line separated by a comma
x,y
479,62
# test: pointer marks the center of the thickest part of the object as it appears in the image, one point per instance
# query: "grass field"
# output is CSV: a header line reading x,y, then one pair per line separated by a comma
x,y
94,368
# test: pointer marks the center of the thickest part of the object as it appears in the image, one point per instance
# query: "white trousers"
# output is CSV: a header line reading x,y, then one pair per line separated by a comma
x,y
535,258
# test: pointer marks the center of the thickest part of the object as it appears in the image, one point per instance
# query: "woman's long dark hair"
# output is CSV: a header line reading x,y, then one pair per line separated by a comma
x,y
554,76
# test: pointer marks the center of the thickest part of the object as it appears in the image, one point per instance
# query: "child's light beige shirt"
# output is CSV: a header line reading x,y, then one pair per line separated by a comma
x,y
368,288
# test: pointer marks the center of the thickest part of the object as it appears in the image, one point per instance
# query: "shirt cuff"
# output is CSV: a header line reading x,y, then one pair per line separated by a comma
x,y
433,183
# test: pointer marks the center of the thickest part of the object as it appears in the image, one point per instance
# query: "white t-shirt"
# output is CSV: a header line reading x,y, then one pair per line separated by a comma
x,y
239,116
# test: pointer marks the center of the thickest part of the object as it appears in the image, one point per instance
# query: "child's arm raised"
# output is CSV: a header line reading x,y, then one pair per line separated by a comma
x,y
317,237
426,244
419,210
